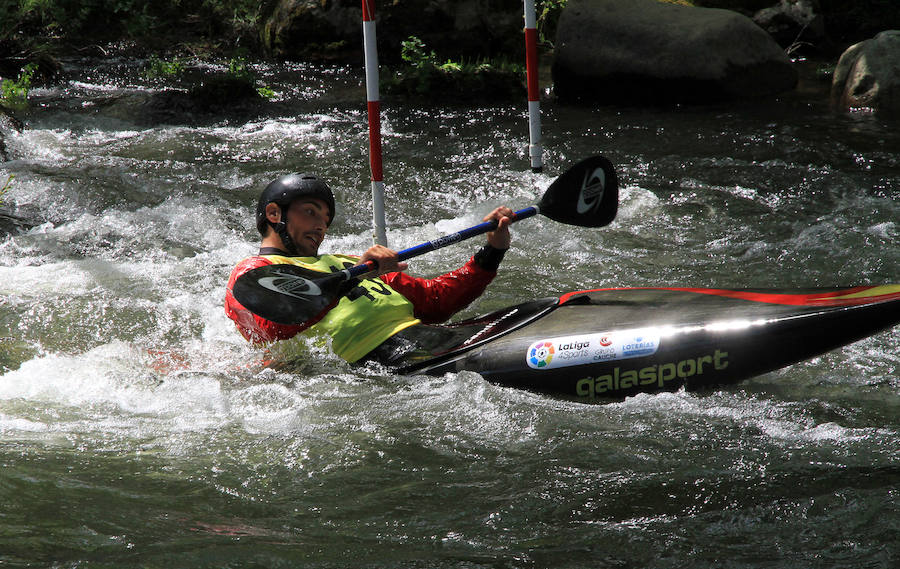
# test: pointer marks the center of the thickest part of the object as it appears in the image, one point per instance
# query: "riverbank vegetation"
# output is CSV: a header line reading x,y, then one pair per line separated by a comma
x,y
14,92
34,34
224,25
79,24
40,31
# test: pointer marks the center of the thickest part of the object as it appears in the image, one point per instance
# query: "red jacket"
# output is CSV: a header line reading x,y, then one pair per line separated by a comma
x,y
434,300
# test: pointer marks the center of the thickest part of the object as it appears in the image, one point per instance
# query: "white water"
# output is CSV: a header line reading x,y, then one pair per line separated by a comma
x,y
138,430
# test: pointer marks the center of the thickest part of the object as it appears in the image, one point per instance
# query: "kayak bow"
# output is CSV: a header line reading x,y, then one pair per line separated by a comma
x,y
618,342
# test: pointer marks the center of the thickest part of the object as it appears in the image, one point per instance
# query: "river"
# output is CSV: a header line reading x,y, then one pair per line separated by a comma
x,y
137,429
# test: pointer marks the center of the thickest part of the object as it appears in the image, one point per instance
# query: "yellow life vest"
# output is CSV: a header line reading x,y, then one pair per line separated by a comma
x,y
367,316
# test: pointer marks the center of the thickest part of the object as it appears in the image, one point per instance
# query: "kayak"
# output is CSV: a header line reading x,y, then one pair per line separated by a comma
x,y
613,343
603,343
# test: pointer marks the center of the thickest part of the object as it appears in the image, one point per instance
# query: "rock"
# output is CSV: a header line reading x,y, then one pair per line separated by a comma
x,y
643,51
794,24
9,221
868,75
8,123
309,27
212,97
11,224
223,90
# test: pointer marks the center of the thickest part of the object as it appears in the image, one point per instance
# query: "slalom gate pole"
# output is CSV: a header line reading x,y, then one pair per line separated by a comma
x,y
534,97
374,108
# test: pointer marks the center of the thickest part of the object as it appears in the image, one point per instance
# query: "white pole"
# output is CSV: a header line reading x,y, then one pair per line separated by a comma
x,y
534,96
374,109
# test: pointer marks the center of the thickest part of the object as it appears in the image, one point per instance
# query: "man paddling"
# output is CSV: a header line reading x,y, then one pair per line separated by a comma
x,y
375,319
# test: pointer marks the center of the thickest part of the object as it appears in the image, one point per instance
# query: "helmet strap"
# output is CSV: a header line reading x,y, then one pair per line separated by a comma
x,y
280,228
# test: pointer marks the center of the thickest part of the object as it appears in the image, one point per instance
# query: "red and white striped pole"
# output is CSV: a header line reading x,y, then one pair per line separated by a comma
x,y
534,95
374,108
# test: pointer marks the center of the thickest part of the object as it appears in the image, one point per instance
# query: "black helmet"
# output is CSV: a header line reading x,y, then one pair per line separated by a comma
x,y
286,189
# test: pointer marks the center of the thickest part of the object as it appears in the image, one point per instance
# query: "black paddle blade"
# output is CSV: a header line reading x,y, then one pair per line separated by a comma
x,y
288,294
587,194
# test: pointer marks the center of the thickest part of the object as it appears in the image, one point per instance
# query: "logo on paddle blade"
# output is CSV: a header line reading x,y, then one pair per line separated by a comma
x,y
291,285
591,191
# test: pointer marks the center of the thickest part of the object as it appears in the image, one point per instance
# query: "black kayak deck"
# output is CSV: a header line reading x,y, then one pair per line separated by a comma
x,y
618,342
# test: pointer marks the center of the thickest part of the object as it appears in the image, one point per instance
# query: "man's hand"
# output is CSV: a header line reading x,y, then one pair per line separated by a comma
x,y
385,258
500,238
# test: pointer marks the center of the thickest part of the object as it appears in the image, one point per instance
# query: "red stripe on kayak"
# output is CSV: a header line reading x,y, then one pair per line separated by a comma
x,y
844,297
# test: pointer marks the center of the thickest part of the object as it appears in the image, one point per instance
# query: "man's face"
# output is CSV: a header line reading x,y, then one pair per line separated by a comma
x,y
307,221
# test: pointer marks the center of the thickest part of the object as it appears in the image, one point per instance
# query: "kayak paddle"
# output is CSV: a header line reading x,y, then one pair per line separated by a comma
x,y
586,195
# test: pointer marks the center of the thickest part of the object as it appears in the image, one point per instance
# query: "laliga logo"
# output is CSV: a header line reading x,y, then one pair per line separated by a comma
x,y
540,355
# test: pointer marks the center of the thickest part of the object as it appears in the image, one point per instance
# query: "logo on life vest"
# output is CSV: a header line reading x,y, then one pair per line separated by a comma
x,y
291,285
591,191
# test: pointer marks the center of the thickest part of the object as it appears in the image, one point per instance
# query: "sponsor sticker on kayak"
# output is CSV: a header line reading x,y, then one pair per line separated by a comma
x,y
565,351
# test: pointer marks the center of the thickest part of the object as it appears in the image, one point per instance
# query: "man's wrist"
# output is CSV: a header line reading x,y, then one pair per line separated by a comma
x,y
489,257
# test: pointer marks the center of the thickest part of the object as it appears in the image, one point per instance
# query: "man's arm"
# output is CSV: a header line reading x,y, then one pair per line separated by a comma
x,y
436,300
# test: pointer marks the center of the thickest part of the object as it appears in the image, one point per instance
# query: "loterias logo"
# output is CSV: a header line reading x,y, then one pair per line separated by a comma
x,y
291,285
541,354
591,191
639,346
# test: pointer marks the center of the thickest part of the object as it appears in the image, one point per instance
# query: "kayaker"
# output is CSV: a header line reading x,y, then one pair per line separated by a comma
x,y
380,317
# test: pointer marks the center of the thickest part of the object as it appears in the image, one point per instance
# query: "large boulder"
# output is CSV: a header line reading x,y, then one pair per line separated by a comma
x,y
644,51
868,75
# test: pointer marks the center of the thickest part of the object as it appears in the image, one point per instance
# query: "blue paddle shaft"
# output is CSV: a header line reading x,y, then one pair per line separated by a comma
x,y
428,246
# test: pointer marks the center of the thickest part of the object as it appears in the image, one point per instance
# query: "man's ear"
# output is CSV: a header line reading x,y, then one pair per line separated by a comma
x,y
273,212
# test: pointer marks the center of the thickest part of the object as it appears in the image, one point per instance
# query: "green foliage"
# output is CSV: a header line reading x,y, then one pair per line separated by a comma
x,y
547,13
237,69
159,68
238,82
424,74
92,21
238,14
71,18
413,52
14,93
9,19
